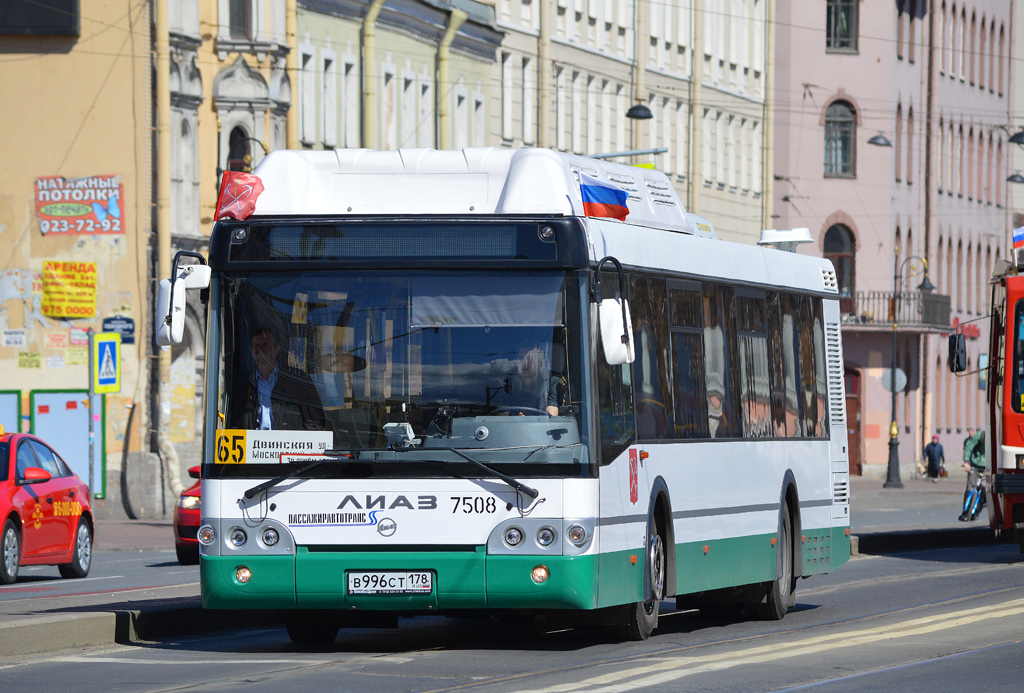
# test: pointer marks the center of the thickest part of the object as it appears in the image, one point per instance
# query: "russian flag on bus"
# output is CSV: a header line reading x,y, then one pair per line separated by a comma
x,y
602,199
1018,238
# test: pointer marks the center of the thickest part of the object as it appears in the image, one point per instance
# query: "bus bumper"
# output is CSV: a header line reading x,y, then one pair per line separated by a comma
x,y
461,580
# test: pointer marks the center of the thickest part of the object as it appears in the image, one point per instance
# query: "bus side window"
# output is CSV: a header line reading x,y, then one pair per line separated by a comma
x,y
614,393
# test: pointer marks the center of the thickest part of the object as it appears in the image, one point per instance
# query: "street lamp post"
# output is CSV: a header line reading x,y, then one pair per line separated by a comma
x,y
892,477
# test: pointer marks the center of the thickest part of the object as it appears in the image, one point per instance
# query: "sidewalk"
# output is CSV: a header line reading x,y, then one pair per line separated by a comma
x,y
920,515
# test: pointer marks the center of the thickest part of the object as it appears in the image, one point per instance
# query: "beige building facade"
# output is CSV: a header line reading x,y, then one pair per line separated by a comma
x,y
75,223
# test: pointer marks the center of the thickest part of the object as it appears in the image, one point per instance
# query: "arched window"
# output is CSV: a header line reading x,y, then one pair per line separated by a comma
x,y
239,156
839,248
840,139
981,53
898,145
910,145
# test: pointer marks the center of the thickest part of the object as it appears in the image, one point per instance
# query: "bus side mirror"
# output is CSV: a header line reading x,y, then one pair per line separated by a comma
x,y
616,338
170,299
957,353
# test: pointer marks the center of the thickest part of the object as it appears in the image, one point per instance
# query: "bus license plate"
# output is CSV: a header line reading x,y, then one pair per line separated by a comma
x,y
390,582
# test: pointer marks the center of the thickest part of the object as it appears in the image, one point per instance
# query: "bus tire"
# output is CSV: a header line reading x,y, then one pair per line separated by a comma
x,y
641,618
779,593
311,633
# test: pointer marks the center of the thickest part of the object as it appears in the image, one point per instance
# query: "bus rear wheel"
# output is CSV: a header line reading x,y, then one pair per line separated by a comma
x,y
641,618
779,593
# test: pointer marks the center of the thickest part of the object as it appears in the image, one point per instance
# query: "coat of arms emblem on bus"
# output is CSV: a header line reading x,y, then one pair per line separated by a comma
x,y
634,484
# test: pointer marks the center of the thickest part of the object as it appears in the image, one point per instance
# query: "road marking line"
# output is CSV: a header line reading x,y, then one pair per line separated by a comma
x,y
690,665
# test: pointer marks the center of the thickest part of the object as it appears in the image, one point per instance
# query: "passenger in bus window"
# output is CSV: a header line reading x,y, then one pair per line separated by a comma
x,y
279,397
534,386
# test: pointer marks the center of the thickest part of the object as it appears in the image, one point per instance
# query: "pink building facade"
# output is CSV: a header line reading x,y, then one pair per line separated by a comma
x,y
892,121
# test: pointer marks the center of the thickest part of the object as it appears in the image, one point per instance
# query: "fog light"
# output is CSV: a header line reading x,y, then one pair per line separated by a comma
x,y
238,536
206,535
546,233
240,234
243,574
577,535
513,536
540,574
270,536
545,536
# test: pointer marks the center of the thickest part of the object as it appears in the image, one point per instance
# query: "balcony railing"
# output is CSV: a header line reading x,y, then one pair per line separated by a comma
x,y
915,309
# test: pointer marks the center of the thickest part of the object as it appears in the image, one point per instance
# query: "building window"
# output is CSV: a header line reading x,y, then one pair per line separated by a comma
x,y
838,248
240,19
840,132
841,26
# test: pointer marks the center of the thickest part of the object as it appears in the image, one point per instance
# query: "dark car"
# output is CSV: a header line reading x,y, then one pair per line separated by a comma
x,y
186,522
45,508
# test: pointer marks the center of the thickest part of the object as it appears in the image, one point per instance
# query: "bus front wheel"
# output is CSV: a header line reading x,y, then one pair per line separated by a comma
x,y
641,618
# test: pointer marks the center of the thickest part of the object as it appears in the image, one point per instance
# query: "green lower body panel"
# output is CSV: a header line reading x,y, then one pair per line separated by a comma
x,y
825,549
272,585
462,580
717,563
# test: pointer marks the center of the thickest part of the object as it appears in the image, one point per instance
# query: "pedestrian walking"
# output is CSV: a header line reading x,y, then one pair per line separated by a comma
x,y
935,456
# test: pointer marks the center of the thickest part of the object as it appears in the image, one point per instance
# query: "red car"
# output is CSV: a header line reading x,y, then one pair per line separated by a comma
x,y
186,522
45,508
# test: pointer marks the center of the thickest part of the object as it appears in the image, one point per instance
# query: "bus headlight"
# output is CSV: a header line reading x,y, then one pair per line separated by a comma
x,y
206,535
513,536
270,536
545,536
577,534
540,574
243,574
238,536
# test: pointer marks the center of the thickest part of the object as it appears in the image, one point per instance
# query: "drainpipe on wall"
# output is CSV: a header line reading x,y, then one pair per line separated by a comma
x,y
369,36
443,89
695,176
163,230
641,40
768,129
291,25
544,95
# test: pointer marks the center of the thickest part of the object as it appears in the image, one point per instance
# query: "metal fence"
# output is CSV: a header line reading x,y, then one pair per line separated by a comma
x,y
912,309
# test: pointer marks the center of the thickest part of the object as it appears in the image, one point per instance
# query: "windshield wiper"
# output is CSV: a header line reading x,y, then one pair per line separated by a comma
x,y
329,456
517,485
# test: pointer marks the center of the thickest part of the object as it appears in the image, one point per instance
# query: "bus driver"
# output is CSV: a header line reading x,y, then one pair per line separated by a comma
x,y
279,398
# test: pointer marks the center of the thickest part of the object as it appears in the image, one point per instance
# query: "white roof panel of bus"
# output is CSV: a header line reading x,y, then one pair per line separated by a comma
x,y
473,181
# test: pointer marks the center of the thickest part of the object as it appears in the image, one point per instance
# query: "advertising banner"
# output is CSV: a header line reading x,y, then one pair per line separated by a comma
x,y
69,289
88,205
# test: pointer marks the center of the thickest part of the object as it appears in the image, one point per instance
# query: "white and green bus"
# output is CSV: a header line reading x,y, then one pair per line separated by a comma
x,y
434,386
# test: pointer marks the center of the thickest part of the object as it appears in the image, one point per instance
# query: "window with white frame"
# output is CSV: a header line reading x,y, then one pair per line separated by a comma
x,y
479,115
409,114
307,96
507,85
529,103
329,98
350,104
389,116
426,124
461,120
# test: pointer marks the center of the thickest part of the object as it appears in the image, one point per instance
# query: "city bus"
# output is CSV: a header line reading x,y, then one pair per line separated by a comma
x,y
1003,377
435,385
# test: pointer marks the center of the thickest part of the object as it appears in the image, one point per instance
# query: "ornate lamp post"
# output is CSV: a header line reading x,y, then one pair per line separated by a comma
x,y
892,478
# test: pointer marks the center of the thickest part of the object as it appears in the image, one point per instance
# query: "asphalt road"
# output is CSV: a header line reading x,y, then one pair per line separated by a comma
x,y
944,619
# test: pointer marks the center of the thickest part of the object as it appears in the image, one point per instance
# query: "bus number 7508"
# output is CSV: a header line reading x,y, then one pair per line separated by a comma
x,y
474,504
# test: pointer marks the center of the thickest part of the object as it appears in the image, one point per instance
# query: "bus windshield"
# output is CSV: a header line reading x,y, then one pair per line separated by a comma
x,y
411,364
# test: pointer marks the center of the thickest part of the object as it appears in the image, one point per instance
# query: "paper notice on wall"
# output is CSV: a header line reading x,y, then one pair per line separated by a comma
x,y
76,356
29,359
14,338
56,340
54,361
69,289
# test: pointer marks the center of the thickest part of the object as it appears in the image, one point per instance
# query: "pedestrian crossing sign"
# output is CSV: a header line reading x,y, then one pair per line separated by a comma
x,y
106,362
